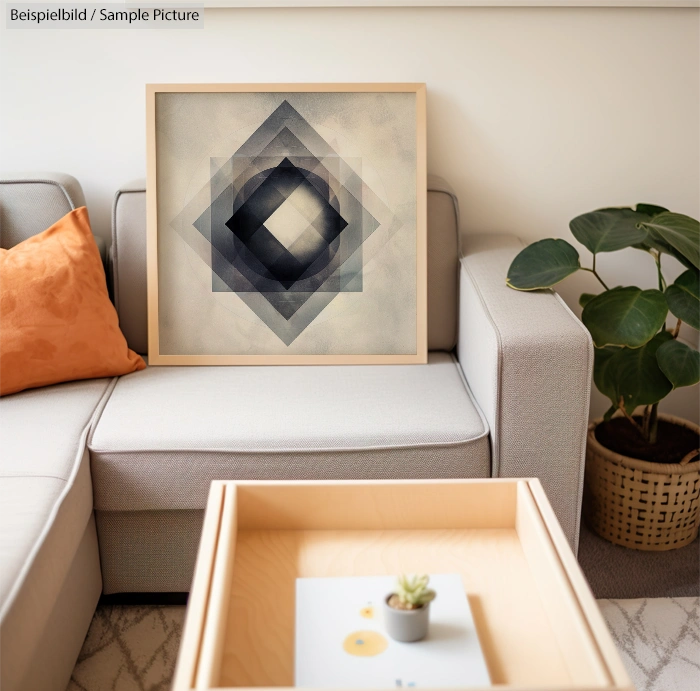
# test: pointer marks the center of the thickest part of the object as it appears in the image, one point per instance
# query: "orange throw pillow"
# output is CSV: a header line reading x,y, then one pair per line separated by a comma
x,y
56,320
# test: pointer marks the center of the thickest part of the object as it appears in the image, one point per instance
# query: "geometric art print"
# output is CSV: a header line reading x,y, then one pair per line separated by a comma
x,y
294,231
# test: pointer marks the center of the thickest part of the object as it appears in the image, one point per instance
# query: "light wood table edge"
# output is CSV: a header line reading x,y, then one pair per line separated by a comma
x,y
198,604
212,645
584,660
589,607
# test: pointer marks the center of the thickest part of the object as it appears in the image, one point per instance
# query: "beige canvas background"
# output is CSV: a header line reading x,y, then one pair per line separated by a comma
x,y
376,129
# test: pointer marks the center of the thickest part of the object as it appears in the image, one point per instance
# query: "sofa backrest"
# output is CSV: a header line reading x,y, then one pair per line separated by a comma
x,y
31,202
128,255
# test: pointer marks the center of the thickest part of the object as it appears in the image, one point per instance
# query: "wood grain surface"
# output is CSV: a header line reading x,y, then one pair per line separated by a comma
x,y
518,641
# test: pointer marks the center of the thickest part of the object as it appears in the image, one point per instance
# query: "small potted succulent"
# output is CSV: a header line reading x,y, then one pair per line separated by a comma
x,y
642,481
407,609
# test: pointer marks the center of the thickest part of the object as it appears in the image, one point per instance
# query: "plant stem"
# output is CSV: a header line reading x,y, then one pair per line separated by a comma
x,y
677,330
621,406
662,281
595,273
653,424
645,421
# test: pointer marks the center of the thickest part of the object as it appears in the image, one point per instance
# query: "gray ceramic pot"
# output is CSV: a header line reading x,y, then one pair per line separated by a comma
x,y
406,625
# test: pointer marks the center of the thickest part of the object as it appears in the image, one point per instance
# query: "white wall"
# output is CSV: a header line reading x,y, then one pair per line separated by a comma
x,y
535,114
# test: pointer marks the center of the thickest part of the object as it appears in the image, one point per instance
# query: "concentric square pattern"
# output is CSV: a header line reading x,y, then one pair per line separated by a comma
x,y
286,219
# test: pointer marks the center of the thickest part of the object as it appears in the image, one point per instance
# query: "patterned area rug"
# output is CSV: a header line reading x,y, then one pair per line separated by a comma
x,y
135,648
658,640
129,649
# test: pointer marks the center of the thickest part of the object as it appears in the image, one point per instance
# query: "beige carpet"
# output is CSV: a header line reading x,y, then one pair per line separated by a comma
x,y
134,648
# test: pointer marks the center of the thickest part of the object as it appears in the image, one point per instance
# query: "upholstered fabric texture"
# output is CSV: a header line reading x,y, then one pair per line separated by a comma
x,y
43,441
148,551
129,264
57,641
58,323
49,562
31,202
167,432
528,362
443,264
46,527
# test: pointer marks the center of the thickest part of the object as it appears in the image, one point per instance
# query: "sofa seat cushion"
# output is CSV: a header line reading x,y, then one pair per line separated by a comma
x,y
45,509
26,504
42,428
167,432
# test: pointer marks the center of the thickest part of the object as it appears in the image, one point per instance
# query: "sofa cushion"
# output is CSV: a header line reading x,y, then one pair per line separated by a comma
x,y
45,509
58,322
129,264
42,428
167,432
31,202
148,551
26,504
128,254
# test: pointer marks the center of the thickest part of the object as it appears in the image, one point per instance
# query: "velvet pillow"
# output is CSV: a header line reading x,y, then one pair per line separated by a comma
x,y
56,321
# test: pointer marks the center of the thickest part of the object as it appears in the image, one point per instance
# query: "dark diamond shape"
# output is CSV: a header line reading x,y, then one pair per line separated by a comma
x,y
311,249
276,189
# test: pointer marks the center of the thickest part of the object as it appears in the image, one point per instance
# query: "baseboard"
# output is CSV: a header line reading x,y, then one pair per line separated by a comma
x,y
144,599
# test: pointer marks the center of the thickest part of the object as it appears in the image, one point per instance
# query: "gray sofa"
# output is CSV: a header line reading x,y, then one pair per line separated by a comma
x,y
126,464
50,578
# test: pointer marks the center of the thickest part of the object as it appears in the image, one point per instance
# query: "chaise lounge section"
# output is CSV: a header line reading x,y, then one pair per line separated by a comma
x,y
50,578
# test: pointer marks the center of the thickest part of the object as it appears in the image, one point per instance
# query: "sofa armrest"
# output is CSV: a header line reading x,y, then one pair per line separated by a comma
x,y
528,361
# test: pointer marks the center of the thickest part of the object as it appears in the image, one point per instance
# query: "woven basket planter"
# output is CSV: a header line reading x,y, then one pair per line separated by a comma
x,y
638,504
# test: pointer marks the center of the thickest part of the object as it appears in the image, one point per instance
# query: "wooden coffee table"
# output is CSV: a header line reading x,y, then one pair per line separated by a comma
x,y
539,626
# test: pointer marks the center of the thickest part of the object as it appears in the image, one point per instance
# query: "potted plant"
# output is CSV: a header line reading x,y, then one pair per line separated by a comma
x,y
642,473
407,609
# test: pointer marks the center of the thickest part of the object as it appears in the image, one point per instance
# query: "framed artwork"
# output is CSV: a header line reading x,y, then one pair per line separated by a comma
x,y
286,224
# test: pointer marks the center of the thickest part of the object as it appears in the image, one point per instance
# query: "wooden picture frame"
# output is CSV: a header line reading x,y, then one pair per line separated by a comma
x,y
338,173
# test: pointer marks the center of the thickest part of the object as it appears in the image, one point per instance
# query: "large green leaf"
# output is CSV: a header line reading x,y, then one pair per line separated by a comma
x,y
683,298
607,230
634,374
654,243
543,264
625,316
585,298
601,374
679,362
649,209
679,231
